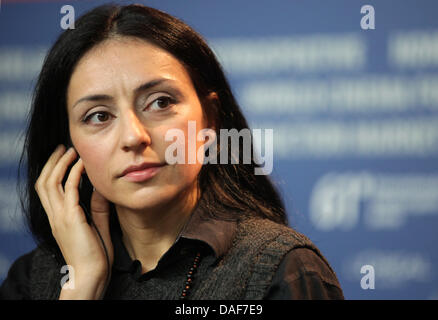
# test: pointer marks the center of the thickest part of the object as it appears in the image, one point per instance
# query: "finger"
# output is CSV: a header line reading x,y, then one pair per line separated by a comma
x,y
71,195
52,190
47,207
55,191
54,182
50,164
40,185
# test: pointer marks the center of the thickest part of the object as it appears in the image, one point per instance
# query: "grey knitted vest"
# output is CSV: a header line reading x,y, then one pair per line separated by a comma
x,y
245,272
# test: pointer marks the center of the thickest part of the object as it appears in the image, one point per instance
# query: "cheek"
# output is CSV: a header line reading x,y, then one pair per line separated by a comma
x,y
190,122
181,174
95,158
179,178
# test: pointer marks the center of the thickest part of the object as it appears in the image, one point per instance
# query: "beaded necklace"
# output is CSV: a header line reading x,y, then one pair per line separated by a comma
x,y
190,277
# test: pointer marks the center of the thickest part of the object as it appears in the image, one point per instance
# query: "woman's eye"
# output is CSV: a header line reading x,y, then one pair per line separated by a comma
x,y
97,117
158,104
162,103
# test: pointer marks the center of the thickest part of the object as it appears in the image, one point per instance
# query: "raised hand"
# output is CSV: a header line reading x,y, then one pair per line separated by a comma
x,y
78,241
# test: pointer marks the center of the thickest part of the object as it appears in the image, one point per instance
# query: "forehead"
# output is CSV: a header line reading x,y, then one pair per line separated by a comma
x,y
123,61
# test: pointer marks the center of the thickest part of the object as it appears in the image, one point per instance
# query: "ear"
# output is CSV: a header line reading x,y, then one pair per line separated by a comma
x,y
211,110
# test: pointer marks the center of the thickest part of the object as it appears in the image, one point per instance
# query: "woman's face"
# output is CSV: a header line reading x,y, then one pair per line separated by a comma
x,y
123,96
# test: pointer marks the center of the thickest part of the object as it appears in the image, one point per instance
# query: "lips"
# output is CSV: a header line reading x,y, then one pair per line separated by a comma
x,y
140,167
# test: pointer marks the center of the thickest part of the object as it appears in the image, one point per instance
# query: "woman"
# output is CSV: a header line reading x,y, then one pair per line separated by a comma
x,y
112,88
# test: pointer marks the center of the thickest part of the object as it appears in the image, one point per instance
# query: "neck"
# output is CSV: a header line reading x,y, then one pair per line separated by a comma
x,y
149,233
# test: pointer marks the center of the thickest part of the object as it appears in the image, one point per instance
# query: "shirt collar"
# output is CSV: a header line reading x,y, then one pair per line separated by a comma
x,y
216,233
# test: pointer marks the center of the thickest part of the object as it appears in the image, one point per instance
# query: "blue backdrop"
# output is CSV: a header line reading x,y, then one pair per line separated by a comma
x,y
354,113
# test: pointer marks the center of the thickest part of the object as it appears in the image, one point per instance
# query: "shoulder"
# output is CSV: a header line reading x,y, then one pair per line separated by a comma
x,y
299,269
274,235
305,274
28,273
267,229
16,284
270,236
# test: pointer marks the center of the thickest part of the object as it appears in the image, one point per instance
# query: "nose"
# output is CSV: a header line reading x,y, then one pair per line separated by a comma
x,y
133,133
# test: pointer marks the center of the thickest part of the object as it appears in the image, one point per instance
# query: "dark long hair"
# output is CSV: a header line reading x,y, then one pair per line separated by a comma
x,y
227,190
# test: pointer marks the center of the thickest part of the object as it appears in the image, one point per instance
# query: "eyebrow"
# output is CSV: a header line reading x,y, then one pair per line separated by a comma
x,y
142,87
